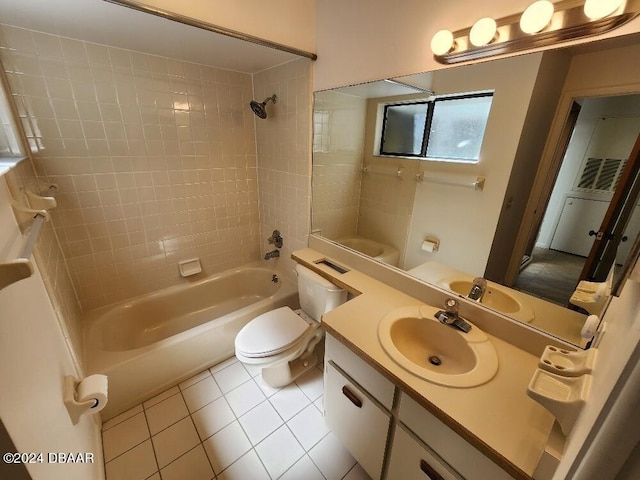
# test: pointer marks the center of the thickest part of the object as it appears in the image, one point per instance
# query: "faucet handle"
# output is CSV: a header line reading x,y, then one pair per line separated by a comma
x,y
451,306
275,239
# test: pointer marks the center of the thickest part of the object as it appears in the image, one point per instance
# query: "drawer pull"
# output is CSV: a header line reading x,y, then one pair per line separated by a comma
x,y
351,396
429,471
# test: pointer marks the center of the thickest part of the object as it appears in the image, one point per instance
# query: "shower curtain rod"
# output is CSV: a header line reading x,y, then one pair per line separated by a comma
x,y
192,22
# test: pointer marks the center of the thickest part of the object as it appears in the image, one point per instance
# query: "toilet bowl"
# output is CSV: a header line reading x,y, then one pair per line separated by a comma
x,y
287,343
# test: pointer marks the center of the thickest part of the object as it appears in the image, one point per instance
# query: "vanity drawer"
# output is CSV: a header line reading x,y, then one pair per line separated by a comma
x,y
447,444
356,419
370,379
413,460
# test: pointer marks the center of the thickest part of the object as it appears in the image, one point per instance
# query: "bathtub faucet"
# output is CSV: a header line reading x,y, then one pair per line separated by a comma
x,y
273,254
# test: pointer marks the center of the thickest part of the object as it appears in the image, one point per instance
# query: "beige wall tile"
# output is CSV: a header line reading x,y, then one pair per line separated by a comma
x,y
146,151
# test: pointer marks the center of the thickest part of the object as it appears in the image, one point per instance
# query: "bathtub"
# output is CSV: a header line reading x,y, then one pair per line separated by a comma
x,y
379,251
155,341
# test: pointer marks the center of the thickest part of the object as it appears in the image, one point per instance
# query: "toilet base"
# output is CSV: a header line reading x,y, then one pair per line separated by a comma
x,y
284,373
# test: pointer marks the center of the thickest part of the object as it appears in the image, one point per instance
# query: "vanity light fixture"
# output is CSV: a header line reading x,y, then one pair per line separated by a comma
x,y
597,9
483,32
536,17
442,42
542,23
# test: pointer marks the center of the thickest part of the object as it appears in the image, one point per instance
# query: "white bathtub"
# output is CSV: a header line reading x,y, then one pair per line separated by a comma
x,y
378,251
153,342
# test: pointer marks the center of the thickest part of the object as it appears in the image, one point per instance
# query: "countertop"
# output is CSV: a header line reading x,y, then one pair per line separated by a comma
x,y
498,418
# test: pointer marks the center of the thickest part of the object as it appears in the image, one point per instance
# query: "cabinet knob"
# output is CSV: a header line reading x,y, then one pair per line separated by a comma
x,y
351,396
429,471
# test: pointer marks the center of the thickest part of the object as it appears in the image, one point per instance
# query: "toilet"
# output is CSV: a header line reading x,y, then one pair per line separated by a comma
x,y
284,342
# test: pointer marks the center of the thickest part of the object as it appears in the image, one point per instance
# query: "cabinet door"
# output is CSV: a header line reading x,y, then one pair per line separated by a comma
x,y
355,418
412,460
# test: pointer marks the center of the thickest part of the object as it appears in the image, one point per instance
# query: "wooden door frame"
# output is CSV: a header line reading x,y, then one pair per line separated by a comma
x,y
615,220
563,142
549,167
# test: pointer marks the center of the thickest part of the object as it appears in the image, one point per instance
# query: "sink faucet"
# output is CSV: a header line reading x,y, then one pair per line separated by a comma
x,y
450,316
272,254
478,289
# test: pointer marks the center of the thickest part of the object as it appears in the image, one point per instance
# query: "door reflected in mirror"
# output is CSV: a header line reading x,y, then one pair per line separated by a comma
x,y
377,205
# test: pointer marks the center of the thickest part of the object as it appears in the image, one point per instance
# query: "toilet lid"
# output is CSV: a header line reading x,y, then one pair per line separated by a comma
x,y
271,333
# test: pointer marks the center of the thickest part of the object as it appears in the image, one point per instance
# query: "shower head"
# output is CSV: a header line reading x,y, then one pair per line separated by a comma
x,y
259,108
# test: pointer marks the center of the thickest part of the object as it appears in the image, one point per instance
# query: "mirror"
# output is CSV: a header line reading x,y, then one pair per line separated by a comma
x,y
442,221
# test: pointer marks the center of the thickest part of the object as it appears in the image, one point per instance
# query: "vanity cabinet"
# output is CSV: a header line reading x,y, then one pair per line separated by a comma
x,y
446,444
360,407
356,419
357,405
413,460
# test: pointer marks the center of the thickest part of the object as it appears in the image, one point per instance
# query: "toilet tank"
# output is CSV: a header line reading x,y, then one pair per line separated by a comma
x,y
317,294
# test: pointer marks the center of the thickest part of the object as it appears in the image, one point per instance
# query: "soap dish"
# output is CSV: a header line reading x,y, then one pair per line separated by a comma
x,y
189,267
564,397
566,362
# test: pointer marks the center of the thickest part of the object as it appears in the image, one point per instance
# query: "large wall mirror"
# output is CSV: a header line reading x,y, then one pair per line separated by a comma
x,y
449,218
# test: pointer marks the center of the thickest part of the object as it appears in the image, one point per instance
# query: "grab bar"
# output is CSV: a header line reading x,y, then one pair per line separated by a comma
x,y
399,173
21,267
476,183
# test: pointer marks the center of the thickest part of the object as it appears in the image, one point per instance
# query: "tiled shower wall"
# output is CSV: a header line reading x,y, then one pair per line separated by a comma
x,y
338,147
155,160
284,157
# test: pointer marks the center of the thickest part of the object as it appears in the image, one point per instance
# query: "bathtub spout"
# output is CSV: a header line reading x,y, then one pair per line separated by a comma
x,y
273,254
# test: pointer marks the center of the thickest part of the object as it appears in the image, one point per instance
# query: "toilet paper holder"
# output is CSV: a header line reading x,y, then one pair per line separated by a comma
x,y
78,408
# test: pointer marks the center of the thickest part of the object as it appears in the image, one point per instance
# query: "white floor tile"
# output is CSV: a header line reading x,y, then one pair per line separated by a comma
x,y
266,389
213,417
279,451
226,446
319,403
124,436
260,421
254,370
195,379
308,426
357,473
163,396
136,464
248,467
175,441
224,364
289,401
201,393
331,458
245,397
303,469
193,465
166,413
122,417
311,384
231,377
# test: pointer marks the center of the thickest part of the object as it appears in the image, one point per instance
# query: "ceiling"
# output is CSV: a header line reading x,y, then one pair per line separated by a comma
x,y
108,24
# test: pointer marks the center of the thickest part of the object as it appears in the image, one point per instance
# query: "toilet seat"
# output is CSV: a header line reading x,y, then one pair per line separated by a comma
x,y
271,333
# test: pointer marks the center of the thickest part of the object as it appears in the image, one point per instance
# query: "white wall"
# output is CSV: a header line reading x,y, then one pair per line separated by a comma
x,y
616,349
289,22
463,219
34,359
364,40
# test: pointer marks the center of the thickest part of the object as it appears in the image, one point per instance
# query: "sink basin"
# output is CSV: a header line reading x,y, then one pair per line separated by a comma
x,y
435,352
494,297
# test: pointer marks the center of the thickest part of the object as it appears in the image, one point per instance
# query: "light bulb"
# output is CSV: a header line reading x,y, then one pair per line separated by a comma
x,y
597,9
442,42
483,32
536,16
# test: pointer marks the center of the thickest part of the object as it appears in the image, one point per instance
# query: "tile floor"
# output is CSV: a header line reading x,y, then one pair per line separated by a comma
x,y
225,424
